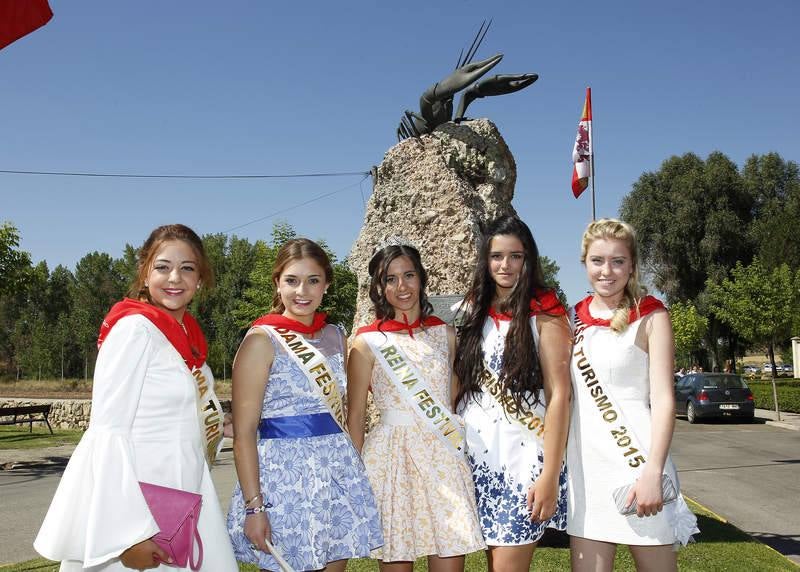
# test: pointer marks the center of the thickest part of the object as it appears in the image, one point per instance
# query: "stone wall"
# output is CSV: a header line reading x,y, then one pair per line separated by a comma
x,y
64,413
69,413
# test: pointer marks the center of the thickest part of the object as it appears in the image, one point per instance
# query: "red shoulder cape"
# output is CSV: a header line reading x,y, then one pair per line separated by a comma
x,y
191,344
387,325
281,321
647,305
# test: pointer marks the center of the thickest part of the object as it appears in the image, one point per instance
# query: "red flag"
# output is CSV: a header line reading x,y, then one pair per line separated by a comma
x,y
21,17
582,152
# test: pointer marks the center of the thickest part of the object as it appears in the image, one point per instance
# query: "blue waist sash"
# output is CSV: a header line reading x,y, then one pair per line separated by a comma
x,y
298,426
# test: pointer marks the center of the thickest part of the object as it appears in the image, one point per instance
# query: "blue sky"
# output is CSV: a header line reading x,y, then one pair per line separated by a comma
x,y
262,87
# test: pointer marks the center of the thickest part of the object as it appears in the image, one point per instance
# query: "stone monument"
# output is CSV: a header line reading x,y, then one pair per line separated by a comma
x,y
435,190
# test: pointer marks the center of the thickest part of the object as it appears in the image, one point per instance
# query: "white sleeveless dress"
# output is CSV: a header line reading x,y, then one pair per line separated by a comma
x,y
596,465
506,457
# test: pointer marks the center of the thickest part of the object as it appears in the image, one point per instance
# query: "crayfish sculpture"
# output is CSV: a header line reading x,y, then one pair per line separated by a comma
x,y
436,104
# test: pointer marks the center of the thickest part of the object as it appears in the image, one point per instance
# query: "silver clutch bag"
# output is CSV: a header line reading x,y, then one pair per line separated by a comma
x,y
668,494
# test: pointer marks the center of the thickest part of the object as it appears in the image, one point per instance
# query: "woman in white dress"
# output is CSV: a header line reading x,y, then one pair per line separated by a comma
x,y
512,359
623,416
145,424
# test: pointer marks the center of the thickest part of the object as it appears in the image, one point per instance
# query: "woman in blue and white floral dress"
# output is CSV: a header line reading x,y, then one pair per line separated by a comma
x,y
519,329
301,482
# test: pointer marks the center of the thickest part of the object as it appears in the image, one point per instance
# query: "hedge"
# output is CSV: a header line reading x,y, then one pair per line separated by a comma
x,y
788,395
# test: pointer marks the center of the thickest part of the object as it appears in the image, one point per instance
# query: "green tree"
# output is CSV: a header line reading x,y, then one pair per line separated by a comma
x,y
774,185
689,328
231,262
757,303
692,219
550,269
13,262
98,286
257,296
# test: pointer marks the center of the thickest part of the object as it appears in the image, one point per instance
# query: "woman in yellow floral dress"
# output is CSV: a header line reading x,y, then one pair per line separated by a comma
x,y
414,455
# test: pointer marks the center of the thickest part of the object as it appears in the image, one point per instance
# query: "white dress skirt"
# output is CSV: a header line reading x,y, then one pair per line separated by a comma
x,y
144,427
597,465
505,457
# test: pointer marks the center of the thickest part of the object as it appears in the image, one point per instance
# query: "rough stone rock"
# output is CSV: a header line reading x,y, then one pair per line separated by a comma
x,y
434,190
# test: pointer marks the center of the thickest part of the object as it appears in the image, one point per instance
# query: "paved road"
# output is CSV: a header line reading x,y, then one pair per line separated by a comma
x,y
747,473
25,495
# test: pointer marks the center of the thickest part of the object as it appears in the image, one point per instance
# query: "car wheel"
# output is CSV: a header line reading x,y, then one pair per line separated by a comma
x,y
691,415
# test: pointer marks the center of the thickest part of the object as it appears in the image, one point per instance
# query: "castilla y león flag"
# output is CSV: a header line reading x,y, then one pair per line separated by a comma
x,y
21,17
582,152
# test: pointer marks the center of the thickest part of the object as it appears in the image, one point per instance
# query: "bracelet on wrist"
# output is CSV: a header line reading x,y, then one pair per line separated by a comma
x,y
256,510
258,497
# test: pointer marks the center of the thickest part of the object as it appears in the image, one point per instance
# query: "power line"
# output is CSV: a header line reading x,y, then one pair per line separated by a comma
x,y
141,176
309,201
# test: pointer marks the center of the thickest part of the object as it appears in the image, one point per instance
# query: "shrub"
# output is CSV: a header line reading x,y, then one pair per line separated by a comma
x,y
788,395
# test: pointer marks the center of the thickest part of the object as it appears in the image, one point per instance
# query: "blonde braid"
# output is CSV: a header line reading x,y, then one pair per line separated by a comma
x,y
609,228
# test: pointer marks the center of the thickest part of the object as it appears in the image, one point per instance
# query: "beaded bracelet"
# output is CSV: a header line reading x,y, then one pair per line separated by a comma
x,y
249,511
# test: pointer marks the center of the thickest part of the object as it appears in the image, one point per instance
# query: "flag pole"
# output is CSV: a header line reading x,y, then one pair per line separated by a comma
x,y
591,149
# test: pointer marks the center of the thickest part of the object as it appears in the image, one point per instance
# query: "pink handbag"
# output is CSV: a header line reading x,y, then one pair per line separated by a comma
x,y
176,513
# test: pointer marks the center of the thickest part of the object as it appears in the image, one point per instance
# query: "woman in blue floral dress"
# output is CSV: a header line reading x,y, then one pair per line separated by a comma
x,y
512,359
302,485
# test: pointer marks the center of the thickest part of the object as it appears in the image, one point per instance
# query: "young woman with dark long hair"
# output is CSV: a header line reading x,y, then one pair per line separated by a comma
x,y
414,455
512,365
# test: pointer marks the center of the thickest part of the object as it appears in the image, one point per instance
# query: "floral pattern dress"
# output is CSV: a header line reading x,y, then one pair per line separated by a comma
x,y
424,491
506,458
320,504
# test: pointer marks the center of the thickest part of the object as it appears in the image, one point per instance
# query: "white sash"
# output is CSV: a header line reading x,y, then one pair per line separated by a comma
x,y
490,382
210,415
631,450
415,390
316,368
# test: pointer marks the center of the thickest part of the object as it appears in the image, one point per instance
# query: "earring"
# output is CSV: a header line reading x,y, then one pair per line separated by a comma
x,y
146,285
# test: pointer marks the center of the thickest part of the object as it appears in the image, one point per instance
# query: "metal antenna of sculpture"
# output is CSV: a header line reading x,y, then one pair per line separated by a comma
x,y
436,104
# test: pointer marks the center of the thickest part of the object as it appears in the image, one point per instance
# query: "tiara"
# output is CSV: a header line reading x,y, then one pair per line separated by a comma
x,y
394,240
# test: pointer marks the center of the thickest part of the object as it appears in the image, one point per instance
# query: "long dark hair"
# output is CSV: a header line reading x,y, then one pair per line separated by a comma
x,y
521,372
378,267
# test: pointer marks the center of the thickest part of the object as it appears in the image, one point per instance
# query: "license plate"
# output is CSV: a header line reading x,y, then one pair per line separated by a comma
x,y
729,406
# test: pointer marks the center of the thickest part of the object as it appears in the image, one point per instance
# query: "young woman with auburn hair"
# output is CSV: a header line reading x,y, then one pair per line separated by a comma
x,y
154,420
623,487
414,455
302,486
512,365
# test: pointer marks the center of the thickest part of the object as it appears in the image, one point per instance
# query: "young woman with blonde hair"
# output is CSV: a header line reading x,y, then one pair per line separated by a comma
x,y
623,487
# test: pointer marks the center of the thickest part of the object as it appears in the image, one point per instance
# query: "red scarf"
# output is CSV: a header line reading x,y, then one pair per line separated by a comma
x,y
389,325
647,305
281,321
543,302
191,344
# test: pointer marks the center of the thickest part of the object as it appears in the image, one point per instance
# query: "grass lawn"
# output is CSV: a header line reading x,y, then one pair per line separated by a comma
x,y
720,546
14,437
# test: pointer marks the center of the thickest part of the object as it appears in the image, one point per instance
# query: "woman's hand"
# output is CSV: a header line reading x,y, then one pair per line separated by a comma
x,y
543,497
256,529
145,554
647,493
